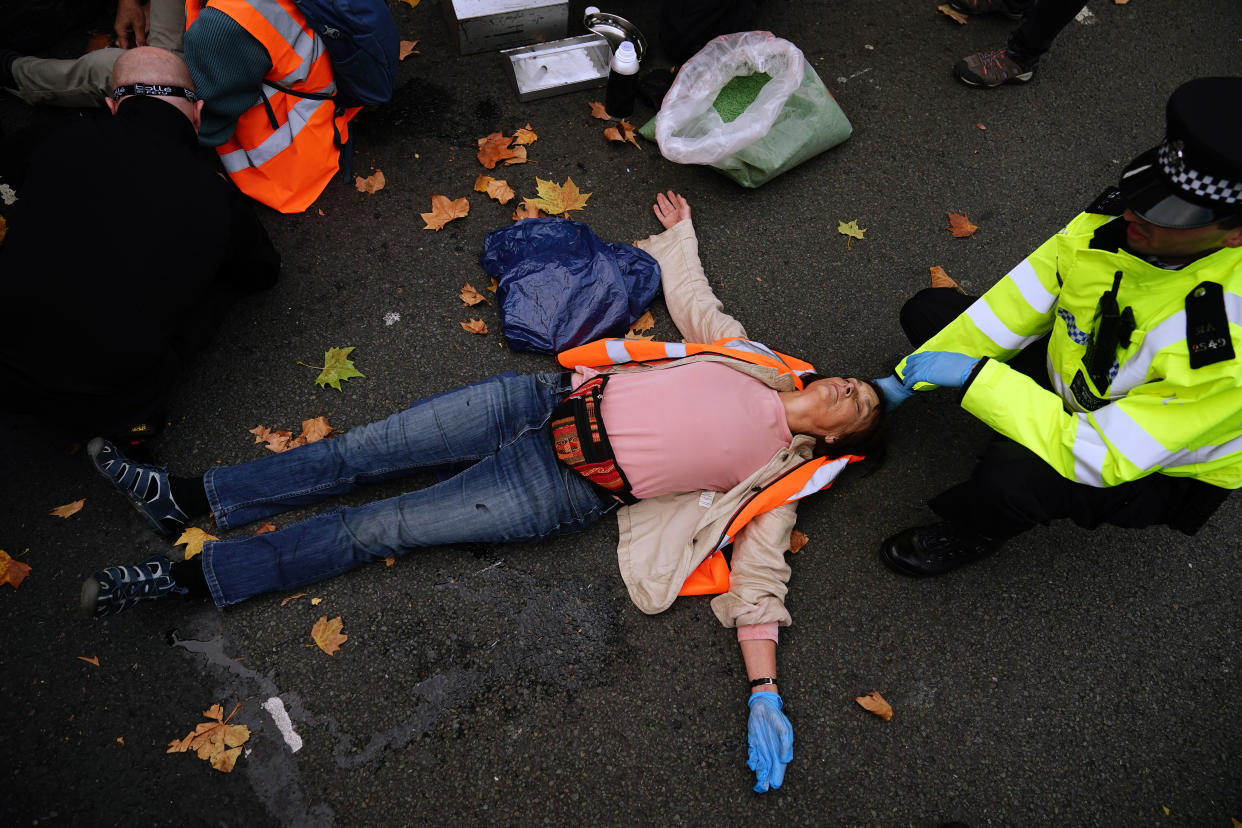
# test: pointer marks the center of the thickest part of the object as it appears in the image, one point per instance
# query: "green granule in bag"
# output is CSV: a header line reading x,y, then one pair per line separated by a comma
x,y
739,93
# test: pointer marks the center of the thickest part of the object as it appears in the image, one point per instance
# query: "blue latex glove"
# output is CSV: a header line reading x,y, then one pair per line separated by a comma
x,y
943,368
771,740
894,392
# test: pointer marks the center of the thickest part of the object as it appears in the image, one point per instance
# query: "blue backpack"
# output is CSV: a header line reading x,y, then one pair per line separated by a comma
x,y
363,44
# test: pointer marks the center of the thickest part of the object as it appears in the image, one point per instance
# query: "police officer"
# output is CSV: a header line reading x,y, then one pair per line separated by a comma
x,y
1107,361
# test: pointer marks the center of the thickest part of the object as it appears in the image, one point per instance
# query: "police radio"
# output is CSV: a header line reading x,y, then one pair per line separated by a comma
x,y
1111,328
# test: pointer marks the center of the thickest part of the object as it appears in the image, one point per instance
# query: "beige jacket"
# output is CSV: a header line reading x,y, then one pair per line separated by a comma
x,y
664,538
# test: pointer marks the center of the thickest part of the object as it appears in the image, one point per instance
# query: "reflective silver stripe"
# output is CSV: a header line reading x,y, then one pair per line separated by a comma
x,y
822,478
1130,439
1205,454
617,352
675,350
1032,290
994,329
1169,332
308,48
277,142
740,344
1090,452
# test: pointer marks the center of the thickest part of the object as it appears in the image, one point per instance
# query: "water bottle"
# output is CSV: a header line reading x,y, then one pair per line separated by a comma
x,y
622,81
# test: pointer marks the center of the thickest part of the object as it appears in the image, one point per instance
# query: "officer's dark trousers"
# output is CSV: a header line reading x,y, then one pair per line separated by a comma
x,y
1011,489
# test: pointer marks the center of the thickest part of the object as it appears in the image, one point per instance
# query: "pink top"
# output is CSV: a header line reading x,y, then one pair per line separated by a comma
x,y
693,427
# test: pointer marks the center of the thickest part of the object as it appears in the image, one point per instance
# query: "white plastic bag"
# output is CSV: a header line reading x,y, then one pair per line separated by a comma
x,y
688,128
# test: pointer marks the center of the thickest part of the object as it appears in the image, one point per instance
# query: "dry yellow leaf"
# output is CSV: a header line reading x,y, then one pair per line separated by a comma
x,y
11,571
444,210
316,602
875,703
471,296
558,199
193,538
941,279
525,135
293,597
960,226
371,184
407,49
277,441
643,323
327,634
598,111
494,286
90,660
623,132
797,540
215,740
69,509
474,326
949,11
496,148
390,560
265,528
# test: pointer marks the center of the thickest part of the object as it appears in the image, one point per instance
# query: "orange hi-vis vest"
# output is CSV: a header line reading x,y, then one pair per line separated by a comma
x,y
604,352
285,148
712,575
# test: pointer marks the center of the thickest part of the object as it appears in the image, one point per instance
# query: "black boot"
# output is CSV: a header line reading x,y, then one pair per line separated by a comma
x,y
927,551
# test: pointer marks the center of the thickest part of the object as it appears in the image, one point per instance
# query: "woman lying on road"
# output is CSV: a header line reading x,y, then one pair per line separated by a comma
x,y
717,443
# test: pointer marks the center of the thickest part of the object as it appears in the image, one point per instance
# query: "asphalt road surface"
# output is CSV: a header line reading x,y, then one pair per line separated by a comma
x,y
1077,678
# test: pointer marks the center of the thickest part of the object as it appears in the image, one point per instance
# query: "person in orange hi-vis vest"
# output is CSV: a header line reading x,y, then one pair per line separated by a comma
x,y
280,148
707,447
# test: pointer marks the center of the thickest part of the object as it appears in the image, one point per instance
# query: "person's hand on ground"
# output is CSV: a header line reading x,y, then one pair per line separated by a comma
x,y
944,368
670,208
132,23
770,736
894,392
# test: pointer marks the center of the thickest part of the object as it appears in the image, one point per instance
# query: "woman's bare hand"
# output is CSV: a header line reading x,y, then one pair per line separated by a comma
x,y
670,208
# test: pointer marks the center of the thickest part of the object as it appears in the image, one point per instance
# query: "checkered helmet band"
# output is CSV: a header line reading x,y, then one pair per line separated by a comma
x,y
1191,181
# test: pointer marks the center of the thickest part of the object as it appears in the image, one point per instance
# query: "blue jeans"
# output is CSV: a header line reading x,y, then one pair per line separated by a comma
x,y
512,489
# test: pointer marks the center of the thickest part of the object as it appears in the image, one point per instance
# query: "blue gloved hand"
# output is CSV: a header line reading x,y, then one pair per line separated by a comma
x,y
943,368
771,740
894,392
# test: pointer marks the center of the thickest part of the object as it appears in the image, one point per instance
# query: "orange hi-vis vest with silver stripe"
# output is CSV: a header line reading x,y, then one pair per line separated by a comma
x,y
712,575
285,148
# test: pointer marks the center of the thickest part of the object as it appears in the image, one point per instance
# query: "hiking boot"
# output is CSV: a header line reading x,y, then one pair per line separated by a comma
x,y
118,588
994,68
927,551
146,487
1013,9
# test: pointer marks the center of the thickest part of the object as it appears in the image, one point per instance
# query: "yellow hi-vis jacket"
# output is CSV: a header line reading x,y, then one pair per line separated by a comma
x,y
285,149
1156,414
711,577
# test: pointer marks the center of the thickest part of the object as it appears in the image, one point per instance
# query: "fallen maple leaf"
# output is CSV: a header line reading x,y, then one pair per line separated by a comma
x,y
980,126
494,286
193,538
875,703
558,199
277,441
1123,3
327,634
525,135
407,49
12,572
960,226
371,184
295,597
120,740
265,528
518,157
941,279
496,148
598,111
474,326
316,602
390,560
336,367
69,509
526,210
850,229
797,540
948,10
622,132
90,660
444,210
214,740
496,188
643,323
315,429
471,296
